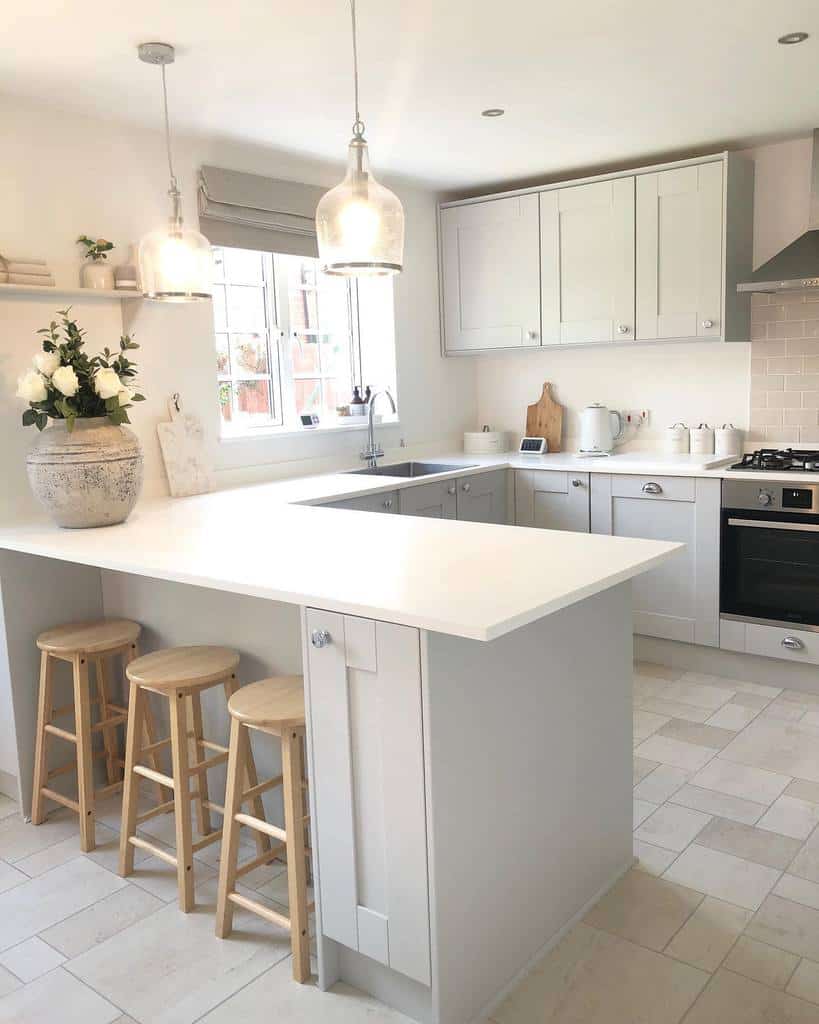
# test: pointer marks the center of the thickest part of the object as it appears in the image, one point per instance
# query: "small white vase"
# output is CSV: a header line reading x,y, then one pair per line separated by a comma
x,y
97,275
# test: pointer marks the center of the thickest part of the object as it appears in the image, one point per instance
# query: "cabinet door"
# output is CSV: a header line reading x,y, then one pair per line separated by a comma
x,y
364,706
386,501
482,498
679,252
680,599
491,275
434,500
587,262
552,501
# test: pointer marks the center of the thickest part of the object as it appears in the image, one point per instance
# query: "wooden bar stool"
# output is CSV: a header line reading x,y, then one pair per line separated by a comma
x,y
179,674
81,643
273,706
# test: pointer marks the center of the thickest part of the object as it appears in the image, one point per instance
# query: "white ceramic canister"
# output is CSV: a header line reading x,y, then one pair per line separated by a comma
x,y
702,440
728,440
676,439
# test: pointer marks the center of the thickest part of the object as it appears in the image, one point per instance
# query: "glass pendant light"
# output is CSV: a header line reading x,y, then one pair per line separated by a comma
x,y
360,223
175,262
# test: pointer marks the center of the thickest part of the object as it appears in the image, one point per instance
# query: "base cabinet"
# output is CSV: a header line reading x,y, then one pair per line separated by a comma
x,y
364,687
386,501
482,498
680,599
552,501
435,500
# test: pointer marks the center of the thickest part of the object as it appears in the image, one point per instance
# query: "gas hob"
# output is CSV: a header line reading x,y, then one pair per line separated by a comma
x,y
778,460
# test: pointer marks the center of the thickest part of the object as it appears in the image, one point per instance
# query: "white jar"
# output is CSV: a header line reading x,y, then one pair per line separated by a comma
x,y
702,440
727,440
676,439
97,275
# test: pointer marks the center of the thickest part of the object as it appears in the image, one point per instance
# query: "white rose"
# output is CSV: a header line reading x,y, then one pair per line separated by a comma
x,y
47,362
107,383
31,387
65,381
125,394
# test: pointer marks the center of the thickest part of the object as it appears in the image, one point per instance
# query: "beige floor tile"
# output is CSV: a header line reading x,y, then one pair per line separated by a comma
x,y
809,701
645,723
656,671
750,700
722,875
677,753
643,909
159,878
31,959
642,768
749,842
672,827
701,695
36,1003
734,716
674,709
805,981
708,934
106,853
10,876
276,890
20,839
195,971
811,718
739,780
702,735
710,801
642,809
652,859
787,925
731,999
7,806
595,978
739,685
806,863
804,790
38,904
800,890
784,747
644,688
8,983
791,816
662,783
782,711
760,962
96,923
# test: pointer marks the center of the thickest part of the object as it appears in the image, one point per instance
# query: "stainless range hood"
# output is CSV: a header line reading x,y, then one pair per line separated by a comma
x,y
797,265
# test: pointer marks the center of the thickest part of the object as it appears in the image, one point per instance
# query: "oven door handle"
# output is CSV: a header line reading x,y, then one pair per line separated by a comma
x,y
765,524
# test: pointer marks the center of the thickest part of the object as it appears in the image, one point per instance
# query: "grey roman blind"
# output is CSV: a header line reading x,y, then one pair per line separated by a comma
x,y
248,211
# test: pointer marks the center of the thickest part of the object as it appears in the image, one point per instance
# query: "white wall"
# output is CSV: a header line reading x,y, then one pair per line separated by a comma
x,y
63,174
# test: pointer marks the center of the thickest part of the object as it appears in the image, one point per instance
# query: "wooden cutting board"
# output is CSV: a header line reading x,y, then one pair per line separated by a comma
x,y
545,419
182,441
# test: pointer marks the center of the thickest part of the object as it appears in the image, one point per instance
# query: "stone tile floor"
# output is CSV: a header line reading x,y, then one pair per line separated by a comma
x,y
718,922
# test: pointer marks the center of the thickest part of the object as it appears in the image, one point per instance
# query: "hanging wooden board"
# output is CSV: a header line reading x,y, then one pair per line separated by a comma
x,y
184,453
545,419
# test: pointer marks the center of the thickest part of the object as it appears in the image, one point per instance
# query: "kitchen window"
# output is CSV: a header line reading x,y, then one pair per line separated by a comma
x,y
291,340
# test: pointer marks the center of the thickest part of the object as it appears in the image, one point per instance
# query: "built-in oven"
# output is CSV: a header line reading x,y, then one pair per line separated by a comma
x,y
769,560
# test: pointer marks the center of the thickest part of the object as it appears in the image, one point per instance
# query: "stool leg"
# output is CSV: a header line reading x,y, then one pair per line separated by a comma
x,y
262,841
44,709
182,800
130,786
198,753
296,867
108,733
85,763
237,757
147,719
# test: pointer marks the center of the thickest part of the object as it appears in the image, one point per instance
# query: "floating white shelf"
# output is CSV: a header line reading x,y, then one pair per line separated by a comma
x,y
31,290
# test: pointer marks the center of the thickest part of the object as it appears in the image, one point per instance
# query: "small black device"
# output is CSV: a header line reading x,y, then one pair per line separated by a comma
x,y
533,446
309,419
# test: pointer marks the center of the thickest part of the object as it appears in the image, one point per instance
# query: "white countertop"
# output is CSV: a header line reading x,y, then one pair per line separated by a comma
x,y
472,580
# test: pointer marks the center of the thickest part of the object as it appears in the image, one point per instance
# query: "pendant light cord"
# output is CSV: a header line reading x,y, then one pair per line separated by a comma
x,y
358,127
174,189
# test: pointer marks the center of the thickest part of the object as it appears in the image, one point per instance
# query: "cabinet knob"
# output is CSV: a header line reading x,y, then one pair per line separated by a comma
x,y
623,328
387,504
708,324
320,638
793,643
451,489
577,483
652,488
531,335
467,487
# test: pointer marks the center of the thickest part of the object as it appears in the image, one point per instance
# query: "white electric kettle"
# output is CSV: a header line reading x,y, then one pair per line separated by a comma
x,y
599,429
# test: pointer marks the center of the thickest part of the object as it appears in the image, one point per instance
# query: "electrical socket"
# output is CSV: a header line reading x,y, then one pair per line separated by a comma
x,y
635,417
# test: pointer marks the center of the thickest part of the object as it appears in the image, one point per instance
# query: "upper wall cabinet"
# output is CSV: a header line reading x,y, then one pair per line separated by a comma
x,y
650,255
587,262
491,274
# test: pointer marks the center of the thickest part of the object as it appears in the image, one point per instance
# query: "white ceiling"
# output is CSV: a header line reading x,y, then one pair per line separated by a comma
x,y
584,84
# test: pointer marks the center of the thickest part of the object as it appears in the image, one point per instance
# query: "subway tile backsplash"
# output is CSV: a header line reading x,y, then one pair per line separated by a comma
x,y
785,368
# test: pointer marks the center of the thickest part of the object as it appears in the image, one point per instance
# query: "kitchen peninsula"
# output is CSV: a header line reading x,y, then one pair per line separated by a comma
x,y
468,694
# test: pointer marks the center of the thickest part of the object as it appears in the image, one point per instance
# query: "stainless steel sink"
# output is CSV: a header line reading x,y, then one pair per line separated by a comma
x,y
410,469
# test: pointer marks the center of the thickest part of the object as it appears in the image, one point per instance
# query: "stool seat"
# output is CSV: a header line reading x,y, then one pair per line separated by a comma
x,y
183,667
89,637
277,702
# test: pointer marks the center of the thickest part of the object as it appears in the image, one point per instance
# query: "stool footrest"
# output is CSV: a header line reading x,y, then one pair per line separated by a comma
x,y
211,762
261,826
110,721
210,745
263,787
211,837
262,860
62,733
260,909
143,844
154,746
165,808
58,798
211,806
114,787
149,773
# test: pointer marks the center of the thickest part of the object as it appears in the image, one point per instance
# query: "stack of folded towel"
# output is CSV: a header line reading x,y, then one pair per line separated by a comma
x,y
22,270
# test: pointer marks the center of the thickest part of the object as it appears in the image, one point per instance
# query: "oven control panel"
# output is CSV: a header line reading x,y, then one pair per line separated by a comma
x,y
800,498
773,497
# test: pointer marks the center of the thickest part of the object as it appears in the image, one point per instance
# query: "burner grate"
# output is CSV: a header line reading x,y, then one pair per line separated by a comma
x,y
771,459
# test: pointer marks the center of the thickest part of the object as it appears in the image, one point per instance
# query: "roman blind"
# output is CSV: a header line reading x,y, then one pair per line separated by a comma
x,y
248,211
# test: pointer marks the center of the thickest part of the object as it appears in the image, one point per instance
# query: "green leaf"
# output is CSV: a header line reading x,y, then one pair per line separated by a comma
x,y
29,418
41,421
137,398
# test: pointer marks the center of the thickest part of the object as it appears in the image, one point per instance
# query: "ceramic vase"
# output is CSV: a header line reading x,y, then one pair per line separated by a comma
x,y
89,477
97,275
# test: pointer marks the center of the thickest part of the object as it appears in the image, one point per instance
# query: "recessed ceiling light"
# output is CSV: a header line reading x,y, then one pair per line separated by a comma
x,y
493,112
792,37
